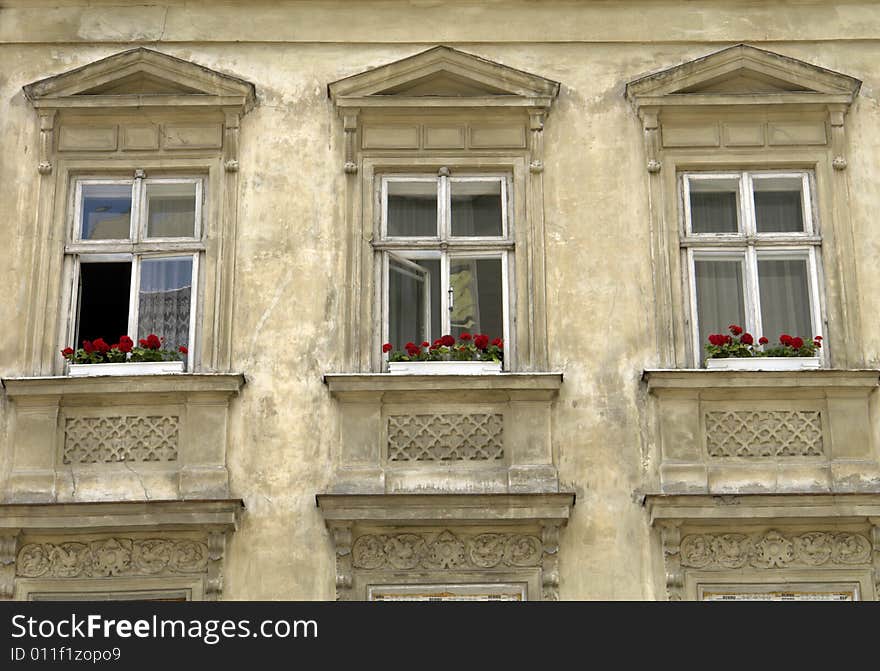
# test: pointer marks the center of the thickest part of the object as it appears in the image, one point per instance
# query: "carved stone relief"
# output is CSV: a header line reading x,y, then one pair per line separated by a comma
x,y
446,550
764,433
446,437
774,549
113,557
89,440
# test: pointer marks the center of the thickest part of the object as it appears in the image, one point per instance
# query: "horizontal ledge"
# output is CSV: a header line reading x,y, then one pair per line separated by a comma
x,y
140,100
761,507
445,508
431,102
210,514
118,384
706,99
699,378
381,382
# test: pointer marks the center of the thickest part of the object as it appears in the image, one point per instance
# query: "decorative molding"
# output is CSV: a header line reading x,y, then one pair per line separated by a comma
x,y
774,549
112,557
550,561
536,143
670,537
47,140
349,127
232,129
342,535
446,437
764,433
89,440
447,551
8,551
875,546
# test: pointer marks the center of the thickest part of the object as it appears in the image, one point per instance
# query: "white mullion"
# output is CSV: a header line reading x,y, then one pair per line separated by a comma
x,y
134,294
444,208
695,325
137,204
505,307
445,312
386,297
75,298
815,307
193,309
753,294
806,203
748,224
686,192
383,224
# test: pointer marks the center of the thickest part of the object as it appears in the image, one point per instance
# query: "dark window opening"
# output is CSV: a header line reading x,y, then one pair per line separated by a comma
x,y
103,301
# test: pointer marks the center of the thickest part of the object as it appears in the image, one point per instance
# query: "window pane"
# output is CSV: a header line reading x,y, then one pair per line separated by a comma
x,y
412,209
778,204
106,212
413,292
104,291
785,298
714,205
476,208
720,300
164,300
171,210
477,296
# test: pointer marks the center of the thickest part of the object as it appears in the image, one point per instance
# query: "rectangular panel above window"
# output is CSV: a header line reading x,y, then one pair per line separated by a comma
x,y
752,255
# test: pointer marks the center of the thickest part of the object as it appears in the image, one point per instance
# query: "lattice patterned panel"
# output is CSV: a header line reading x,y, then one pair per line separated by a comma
x,y
89,440
764,433
476,437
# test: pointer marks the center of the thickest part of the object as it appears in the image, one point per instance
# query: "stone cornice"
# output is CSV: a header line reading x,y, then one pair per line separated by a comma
x,y
699,378
224,383
341,384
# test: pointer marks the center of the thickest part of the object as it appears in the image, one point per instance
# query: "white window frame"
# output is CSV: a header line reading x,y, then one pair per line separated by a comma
x,y
747,245
447,247
135,249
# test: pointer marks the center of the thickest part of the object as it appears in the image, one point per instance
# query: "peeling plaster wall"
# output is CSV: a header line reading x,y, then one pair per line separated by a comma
x,y
289,263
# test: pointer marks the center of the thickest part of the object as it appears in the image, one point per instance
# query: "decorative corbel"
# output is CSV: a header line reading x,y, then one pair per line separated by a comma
x,y
651,126
8,551
349,126
231,124
875,546
670,536
536,139
47,140
836,115
550,561
216,551
344,571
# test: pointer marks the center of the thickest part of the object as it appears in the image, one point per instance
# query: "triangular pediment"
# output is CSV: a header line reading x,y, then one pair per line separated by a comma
x,y
444,76
148,76
743,75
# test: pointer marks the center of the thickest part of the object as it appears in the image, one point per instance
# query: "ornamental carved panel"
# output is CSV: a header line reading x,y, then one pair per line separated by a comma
x,y
446,550
90,440
112,557
774,549
764,433
446,437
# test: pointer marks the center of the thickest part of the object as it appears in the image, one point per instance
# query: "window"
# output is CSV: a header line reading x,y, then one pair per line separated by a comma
x,y
135,246
446,245
752,248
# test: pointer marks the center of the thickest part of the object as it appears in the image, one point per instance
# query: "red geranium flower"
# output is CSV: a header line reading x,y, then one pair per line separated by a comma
x,y
719,339
447,341
100,345
426,344
66,352
153,341
797,343
785,339
481,341
498,343
465,336
88,346
183,350
818,338
735,330
747,339
125,344
386,348
762,340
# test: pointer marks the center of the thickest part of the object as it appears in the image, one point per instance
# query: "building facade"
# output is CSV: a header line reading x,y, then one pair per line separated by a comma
x,y
282,188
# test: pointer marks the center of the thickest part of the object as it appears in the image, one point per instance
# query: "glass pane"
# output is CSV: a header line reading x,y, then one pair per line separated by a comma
x,y
164,300
413,292
104,291
477,296
171,210
778,204
720,299
412,209
714,205
106,212
785,298
476,208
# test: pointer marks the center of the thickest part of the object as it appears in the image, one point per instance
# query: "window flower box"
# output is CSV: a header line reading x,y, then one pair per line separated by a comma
x,y
129,368
444,367
471,355
764,363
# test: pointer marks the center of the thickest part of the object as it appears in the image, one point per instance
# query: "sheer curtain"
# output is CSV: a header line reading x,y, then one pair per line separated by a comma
x,y
165,299
713,212
785,299
410,216
720,299
778,211
171,210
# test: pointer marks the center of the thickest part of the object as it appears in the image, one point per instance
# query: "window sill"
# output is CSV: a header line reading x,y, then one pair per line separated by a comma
x,y
344,383
701,378
64,385
444,367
